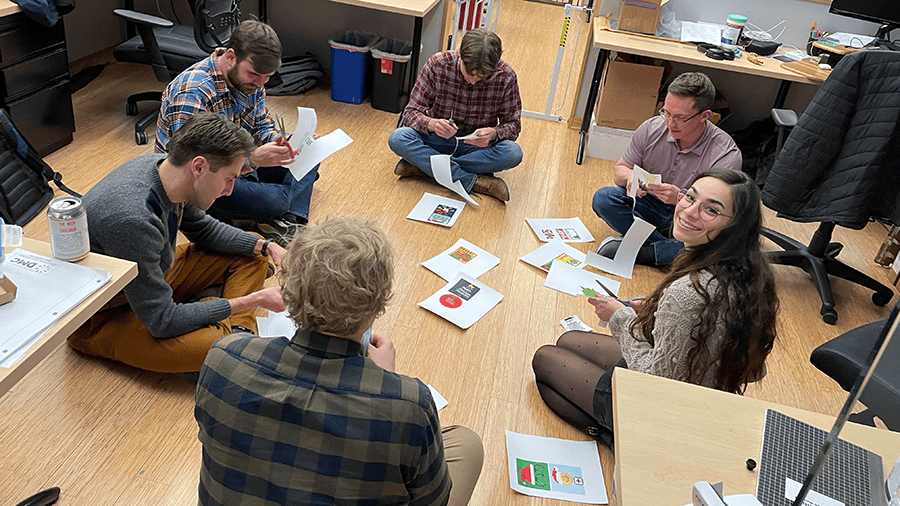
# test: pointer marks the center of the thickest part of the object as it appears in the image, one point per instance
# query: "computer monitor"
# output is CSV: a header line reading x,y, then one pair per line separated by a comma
x,y
884,12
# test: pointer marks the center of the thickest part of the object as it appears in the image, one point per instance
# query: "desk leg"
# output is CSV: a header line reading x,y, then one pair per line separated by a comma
x,y
413,62
782,94
262,10
591,100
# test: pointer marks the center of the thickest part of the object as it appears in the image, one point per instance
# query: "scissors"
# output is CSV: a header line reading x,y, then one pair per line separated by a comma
x,y
283,140
609,292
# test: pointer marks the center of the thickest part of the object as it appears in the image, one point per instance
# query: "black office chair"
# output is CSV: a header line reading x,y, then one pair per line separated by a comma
x,y
169,48
42,498
845,356
840,165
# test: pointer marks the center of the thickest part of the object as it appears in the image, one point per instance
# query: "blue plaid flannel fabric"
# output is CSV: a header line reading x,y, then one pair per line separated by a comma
x,y
202,87
312,421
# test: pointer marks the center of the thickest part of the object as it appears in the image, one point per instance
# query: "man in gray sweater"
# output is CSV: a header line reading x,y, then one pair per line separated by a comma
x,y
161,321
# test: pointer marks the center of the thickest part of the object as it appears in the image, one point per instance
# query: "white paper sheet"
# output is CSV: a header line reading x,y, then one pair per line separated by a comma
x,y
555,250
438,210
439,401
463,256
555,468
622,264
276,325
640,177
574,281
575,323
567,229
440,168
462,301
313,151
813,498
701,32
47,289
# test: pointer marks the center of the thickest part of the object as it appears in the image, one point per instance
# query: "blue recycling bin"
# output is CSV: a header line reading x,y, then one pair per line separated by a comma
x,y
350,81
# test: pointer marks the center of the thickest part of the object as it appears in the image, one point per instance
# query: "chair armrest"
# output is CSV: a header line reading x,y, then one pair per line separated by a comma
x,y
784,118
143,19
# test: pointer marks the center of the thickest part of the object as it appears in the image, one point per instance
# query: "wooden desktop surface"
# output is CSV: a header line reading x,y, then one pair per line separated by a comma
x,y
7,8
672,50
416,8
670,435
122,272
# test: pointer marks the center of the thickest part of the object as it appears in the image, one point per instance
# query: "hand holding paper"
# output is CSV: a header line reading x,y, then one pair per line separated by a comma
x,y
312,150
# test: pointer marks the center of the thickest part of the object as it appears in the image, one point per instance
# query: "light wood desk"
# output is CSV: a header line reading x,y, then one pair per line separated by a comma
x,y
122,272
670,435
672,50
7,8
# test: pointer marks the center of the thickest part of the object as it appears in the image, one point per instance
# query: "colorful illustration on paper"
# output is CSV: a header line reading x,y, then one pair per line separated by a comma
x,y
590,292
548,234
464,289
568,234
550,477
564,258
463,255
442,214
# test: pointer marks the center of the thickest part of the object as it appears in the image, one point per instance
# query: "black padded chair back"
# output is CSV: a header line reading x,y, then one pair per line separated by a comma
x,y
214,20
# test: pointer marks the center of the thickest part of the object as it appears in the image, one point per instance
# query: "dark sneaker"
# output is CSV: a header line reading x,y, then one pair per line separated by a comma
x,y
609,247
282,229
406,169
492,186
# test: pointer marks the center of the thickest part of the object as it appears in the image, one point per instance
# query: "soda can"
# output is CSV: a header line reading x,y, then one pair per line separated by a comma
x,y
68,229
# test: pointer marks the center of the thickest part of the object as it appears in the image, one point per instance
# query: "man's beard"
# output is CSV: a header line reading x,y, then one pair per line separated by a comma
x,y
246,89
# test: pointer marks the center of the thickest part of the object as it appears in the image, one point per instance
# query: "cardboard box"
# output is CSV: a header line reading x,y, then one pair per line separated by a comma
x,y
628,94
607,143
640,15
7,290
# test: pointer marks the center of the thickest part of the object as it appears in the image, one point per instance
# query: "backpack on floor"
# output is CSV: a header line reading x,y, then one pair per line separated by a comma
x,y
298,74
24,177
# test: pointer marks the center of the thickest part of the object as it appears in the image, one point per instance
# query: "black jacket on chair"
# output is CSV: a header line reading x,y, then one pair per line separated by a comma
x,y
841,163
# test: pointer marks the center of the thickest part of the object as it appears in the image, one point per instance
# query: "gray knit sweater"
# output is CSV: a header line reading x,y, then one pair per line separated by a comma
x,y
131,217
677,313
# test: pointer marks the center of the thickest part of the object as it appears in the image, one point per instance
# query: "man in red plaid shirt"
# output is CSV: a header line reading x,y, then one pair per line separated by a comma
x,y
470,92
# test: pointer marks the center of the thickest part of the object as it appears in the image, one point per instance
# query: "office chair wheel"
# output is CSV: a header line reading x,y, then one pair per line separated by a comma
x,y
829,316
140,138
131,109
880,299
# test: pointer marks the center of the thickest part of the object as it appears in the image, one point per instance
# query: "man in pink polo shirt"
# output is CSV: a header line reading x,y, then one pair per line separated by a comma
x,y
678,144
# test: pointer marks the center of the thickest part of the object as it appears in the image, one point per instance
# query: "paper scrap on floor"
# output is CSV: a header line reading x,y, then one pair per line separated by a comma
x,y
622,264
462,301
440,168
438,210
574,281
554,251
463,256
555,468
313,151
47,289
567,229
575,323
701,32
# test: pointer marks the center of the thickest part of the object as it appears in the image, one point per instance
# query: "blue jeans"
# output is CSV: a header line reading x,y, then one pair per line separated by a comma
x,y
466,160
266,193
613,205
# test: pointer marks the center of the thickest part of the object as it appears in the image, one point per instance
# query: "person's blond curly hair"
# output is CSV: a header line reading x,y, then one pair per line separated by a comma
x,y
337,276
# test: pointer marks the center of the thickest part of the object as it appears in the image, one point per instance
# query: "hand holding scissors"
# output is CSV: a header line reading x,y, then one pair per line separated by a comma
x,y
284,138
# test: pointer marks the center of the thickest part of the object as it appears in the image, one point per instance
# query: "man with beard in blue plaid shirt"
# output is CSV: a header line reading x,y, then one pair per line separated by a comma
x,y
315,419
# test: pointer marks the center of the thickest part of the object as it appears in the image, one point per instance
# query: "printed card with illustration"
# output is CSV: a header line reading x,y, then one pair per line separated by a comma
x,y
564,229
463,256
554,251
437,210
575,281
462,301
555,468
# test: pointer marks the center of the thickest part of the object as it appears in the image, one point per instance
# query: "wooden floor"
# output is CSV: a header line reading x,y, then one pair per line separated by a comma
x,y
110,434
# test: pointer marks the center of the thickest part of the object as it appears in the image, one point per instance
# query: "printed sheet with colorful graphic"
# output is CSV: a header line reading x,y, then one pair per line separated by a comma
x,y
555,468
461,257
554,251
437,210
462,301
565,229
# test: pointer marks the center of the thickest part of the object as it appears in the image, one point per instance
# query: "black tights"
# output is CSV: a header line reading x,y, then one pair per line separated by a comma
x,y
567,373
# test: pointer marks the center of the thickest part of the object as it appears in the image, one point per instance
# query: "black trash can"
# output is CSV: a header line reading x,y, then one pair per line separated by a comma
x,y
390,74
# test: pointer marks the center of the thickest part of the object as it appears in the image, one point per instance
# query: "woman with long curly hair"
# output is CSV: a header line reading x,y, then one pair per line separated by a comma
x,y
710,322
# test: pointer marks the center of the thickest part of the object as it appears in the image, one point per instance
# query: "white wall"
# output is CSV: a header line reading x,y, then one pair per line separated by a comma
x,y
750,97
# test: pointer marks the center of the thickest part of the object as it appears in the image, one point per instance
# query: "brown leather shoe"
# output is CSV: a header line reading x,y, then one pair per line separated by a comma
x,y
491,185
406,169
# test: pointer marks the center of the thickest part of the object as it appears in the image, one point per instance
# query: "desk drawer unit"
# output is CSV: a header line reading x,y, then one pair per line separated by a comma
x,y
34,81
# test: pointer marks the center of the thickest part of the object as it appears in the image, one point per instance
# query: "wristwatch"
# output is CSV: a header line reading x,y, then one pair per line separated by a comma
x,y
265,247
